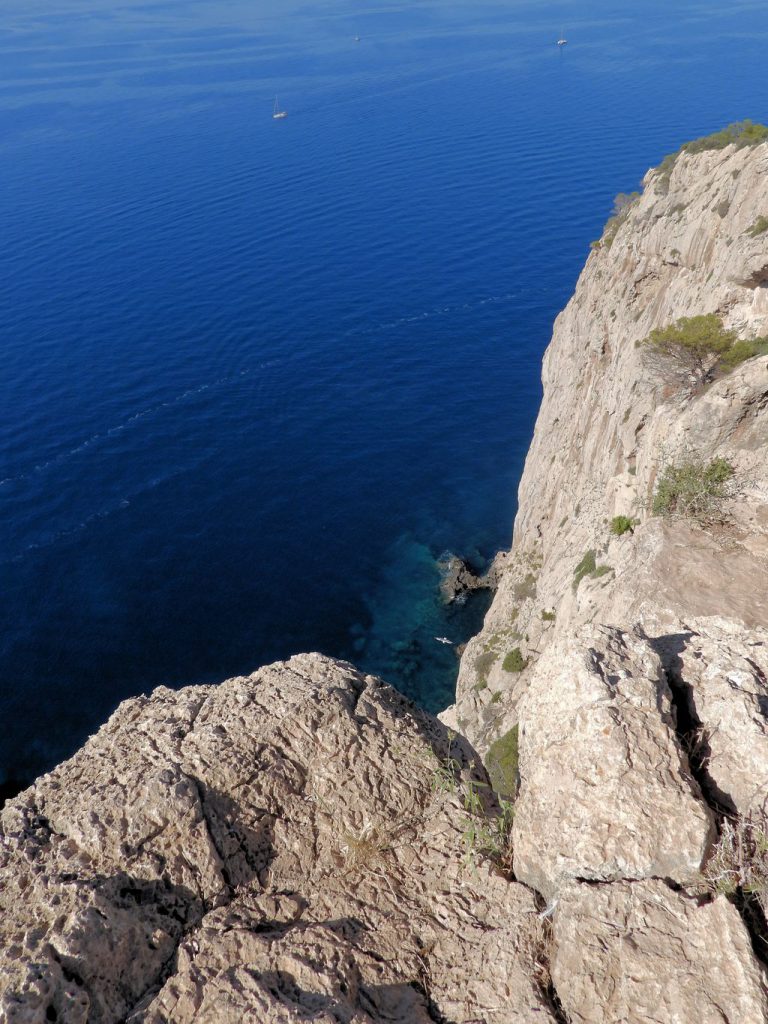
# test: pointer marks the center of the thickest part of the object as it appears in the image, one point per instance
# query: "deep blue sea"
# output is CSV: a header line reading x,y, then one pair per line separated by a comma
x,y
258,375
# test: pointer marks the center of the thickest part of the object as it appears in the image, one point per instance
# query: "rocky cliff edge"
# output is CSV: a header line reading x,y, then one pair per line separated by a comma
x,y
305,845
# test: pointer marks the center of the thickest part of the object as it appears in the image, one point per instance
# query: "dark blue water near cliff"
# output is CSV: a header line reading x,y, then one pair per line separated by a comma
x,y
257,375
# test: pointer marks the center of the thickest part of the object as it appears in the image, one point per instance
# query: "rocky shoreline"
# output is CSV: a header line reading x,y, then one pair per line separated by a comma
x,y
584,836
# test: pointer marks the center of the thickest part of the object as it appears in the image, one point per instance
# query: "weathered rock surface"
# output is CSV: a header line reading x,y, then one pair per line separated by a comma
x,y
637,952
721,672
606,792
270,849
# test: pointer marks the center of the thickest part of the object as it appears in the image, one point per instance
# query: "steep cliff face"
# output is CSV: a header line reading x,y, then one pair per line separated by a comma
x,y
304,845
619,687
611,418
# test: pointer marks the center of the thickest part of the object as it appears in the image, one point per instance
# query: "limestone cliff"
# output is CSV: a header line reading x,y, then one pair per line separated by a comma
x,y
304,845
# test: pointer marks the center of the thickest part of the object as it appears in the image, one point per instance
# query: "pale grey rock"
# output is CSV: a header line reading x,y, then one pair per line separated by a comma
x,y
271,849
721,672
637,952
606,791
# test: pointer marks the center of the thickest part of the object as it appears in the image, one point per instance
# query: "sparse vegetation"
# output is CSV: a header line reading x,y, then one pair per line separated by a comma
x,y
526,588
588,567
694,489
489,835
362,848
487,830
502,763
739,865
622,204
739,134
548,616
760,225
621,525
514,661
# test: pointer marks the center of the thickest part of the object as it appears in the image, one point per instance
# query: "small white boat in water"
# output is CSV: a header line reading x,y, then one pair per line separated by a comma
x,y
562,41
444,640
277,113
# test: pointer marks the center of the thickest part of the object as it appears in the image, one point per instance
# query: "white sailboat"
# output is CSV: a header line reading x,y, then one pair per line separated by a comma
x,y
562,41
277,113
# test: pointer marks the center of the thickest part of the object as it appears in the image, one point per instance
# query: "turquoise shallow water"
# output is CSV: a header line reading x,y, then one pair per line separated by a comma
x,y
259,375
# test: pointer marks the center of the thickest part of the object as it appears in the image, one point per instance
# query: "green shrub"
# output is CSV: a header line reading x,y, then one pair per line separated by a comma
x,y
700,345
740,351
693,489
514,661
760,225
621,525
502,763
740,134
548,616
694,343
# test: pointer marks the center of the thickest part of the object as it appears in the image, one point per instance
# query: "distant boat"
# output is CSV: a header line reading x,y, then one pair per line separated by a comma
x,y
562,41
357,39
277,113
444,640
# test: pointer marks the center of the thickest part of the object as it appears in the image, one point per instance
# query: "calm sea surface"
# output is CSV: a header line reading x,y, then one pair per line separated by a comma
x,y
258,375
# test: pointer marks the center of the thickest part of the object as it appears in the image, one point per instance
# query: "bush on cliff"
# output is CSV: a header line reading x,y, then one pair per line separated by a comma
x,y
699,346
739,134
740,351
514,661
693,344
694,489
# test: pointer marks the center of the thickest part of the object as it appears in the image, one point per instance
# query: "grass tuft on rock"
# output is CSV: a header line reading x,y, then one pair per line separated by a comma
x,y
621,525
760,226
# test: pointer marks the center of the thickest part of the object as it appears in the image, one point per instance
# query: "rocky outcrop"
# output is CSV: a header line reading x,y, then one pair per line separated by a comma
x,y
272,849
639,952
607,792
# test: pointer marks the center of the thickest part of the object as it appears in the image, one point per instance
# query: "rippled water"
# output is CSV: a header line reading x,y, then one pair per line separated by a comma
x,y
258,375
